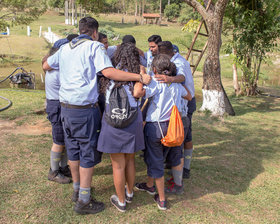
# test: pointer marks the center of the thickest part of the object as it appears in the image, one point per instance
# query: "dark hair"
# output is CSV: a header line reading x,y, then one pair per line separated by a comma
x,y
128,39
88,25
163,65
127,58
155,38
53,50
101,36
165,47
71,37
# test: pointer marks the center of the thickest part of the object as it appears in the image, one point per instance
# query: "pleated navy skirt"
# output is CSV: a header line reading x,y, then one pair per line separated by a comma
x,y
122,140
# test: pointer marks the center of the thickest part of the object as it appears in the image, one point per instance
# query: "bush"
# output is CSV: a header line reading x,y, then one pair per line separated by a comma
x,y
171,11
108,30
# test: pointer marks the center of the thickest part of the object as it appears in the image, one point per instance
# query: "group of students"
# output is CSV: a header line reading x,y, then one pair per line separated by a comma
x,y
82,72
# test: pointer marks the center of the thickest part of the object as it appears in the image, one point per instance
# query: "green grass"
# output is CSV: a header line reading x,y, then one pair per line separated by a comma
x,y
234,176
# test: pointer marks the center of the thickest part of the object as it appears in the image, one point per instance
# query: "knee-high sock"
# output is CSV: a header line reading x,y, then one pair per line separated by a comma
x,y
177,175
55,159
187,158
64,159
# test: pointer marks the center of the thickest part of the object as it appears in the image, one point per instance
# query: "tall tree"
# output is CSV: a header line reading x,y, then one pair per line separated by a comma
x,y
14,12
214,96
256,29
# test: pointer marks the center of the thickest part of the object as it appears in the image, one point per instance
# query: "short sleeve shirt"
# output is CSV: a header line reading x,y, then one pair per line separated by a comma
x,y
52,85
163,98
78,68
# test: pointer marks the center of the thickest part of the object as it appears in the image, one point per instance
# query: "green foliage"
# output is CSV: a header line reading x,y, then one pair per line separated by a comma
x,y
191,25
56,3
256,27
91,5
171,11
14,12
108,30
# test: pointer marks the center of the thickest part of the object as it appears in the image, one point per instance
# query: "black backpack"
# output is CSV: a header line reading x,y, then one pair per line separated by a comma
x,y
119,113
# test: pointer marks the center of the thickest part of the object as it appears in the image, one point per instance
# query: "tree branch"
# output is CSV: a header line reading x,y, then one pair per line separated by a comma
x,y
196,5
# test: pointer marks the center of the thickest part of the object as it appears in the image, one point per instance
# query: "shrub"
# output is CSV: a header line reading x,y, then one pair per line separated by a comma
x,y
171,11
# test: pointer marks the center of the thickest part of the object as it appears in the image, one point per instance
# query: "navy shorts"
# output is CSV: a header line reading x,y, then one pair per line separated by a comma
x,y
53,110
155,153
81,130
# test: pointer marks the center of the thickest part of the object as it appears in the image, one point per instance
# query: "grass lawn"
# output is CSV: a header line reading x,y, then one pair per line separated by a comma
x,y
235,167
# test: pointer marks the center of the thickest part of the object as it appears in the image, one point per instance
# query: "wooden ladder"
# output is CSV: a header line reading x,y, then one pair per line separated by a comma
x,y
190,49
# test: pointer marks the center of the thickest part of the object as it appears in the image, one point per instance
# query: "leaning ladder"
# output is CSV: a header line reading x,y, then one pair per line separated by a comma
x,y
190,49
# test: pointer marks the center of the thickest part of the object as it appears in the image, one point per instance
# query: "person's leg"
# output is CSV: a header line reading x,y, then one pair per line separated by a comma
x,y
160,188
188,149
118,164
85,183
130,172
177,173
55,157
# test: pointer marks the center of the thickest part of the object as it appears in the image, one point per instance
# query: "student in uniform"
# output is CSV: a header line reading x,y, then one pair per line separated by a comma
x,y
183,68
124,142
153,40
163,98
78,62
59,170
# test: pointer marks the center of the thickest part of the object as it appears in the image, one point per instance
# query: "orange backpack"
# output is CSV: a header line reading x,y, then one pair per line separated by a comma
x,y
175,131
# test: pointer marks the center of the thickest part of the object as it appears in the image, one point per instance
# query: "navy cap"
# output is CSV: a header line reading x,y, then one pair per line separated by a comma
x,y
60,42
175,48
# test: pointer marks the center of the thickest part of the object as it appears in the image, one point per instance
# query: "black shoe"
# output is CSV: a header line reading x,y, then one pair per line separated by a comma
x,y
91,207
162,205
186,173
114,200
144,187
65,171
58,177
75,196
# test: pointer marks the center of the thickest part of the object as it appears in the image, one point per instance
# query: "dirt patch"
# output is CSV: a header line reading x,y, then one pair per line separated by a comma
x,y
39,128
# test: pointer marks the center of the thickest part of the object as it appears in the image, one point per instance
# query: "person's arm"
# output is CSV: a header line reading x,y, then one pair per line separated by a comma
x,y
170,79
46,66
138,90
189,95
119,75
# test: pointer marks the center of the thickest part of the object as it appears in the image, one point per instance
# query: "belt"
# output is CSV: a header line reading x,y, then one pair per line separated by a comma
x,y
71,106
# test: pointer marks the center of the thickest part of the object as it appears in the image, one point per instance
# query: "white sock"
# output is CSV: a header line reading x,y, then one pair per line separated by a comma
x,y
120,203
129,195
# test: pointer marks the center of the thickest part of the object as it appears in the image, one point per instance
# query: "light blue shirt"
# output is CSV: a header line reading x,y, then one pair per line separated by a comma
x,y
149,57
52,85
184,68
78,68
111,51
131,99
164,96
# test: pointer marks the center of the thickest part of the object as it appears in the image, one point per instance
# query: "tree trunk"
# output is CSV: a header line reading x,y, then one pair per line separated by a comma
x,y
73,12
143,7
214,96
66,12
76,13
235,76
136,7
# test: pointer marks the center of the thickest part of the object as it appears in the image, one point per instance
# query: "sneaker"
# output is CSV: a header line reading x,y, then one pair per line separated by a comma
x,y
114,200
186,173
161,204
75,196
170,180
144,187
91,207
174,189
127,198
65,171
58,177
